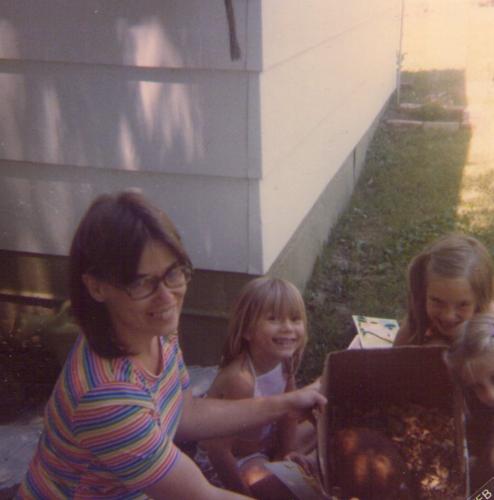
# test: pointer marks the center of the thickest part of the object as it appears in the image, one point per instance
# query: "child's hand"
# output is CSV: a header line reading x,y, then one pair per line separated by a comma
x,y
306,463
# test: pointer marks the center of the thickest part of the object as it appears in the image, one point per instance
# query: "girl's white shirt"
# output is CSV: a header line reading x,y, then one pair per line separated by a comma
x,y
269,383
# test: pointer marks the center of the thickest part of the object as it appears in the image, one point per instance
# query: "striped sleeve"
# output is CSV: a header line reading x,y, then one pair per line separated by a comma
x,y
182,369
120,427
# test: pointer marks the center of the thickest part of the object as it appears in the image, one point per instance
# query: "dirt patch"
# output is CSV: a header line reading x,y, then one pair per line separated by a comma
x,y
28,372
28,369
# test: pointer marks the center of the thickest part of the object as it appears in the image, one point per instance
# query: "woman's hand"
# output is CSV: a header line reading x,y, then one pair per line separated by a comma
x,y
302,401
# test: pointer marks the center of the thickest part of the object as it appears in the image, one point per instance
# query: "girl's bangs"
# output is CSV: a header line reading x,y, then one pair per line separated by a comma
x,y
283,301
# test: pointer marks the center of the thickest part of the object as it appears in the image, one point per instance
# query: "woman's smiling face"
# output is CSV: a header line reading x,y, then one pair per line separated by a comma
x,y
156,315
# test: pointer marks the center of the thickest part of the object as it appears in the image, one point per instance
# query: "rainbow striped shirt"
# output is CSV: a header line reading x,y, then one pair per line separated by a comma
x,y
108,427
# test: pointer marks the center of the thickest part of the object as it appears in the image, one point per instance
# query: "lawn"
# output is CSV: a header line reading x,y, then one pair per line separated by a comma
x,y
410,192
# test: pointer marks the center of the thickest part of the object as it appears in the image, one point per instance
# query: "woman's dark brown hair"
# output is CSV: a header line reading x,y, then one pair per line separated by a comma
x,y
108,245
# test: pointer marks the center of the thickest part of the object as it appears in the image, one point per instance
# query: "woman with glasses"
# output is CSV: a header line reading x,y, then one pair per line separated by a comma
x,y
123,395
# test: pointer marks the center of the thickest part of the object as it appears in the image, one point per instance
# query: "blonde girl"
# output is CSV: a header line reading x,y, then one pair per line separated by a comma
x,y
266,339
471,362
448,283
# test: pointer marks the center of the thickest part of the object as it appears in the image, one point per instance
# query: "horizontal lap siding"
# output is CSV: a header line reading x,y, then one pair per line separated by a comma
x,y
40,206
99,96
148,33
173,121
108,94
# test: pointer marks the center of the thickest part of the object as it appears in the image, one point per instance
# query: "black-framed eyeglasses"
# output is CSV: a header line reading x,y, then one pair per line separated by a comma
x,y
176,276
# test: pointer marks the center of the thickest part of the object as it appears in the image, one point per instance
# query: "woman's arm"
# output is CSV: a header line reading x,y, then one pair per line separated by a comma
x,y
185,480
209,418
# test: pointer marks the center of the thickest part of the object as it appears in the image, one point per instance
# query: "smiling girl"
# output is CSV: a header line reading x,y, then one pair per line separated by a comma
x,y
267,337
448,283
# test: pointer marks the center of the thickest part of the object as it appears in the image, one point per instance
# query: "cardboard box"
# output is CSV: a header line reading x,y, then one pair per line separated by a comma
x,y
367,379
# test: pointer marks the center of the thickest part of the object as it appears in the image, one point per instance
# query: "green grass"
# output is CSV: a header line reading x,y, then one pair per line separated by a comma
x,y
445,87
406,197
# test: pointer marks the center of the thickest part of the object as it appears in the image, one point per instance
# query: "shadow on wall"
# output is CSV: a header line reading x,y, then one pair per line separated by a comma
x,y
98,85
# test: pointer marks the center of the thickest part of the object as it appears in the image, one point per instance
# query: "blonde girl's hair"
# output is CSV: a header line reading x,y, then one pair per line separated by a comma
x,y
475,338
451,257
257,298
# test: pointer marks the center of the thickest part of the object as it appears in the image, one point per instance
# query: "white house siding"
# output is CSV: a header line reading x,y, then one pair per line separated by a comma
x,y
98,96
101,95
328,69
183,122
40,206
148,33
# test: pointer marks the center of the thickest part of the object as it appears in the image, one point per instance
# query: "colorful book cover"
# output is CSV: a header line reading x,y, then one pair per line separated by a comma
x,y
376,332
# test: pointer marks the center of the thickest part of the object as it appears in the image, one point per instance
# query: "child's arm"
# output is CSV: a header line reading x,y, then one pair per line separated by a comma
x,y
403,336
227,385
297,439
225,464
287,427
